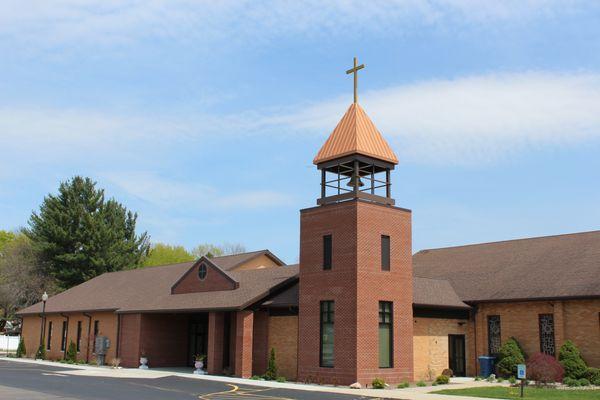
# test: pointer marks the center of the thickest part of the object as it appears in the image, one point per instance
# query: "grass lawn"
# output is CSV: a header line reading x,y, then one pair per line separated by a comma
x,y
500,392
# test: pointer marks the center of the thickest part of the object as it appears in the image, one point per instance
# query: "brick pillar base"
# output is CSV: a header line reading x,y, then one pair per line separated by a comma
x,y
243,343
215,343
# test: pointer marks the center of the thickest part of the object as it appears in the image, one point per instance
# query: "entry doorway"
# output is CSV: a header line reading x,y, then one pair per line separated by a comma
x,y
198,338
456,354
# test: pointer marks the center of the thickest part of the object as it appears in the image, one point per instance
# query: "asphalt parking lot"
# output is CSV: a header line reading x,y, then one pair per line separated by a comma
x,y
32,382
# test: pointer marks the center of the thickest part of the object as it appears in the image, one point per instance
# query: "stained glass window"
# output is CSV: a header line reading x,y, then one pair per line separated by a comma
x,y
385,334
494,340
547,344
327,333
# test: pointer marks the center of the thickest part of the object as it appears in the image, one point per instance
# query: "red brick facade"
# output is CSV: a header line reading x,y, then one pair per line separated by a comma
x,y
214,280
356,284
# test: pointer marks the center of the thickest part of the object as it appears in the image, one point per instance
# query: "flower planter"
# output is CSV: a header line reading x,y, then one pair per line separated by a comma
x,y
143,363
199,365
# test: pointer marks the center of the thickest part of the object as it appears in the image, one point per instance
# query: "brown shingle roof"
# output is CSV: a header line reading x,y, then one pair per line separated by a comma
x,y
149,289
355,134
435,293
534,268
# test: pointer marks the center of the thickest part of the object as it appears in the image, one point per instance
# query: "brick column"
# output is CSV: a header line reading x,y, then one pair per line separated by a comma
x,y
215,343
243,343
559,325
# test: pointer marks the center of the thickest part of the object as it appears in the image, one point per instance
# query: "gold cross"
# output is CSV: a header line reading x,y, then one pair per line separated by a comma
x,y
355,72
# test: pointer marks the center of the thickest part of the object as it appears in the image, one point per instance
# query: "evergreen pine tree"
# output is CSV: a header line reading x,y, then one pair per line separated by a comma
x,y
271,373
21,351
71,352
79,235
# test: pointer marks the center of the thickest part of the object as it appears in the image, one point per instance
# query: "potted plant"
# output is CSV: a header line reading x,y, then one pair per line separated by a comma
x,y
143,360
199,364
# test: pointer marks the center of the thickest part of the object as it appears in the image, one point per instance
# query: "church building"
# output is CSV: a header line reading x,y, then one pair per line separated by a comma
x,y
358,306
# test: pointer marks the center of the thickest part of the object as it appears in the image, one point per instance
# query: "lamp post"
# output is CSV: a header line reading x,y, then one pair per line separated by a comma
x,y
43,330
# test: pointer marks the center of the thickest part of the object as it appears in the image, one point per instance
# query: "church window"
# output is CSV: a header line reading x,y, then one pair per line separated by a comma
x,y
547,344
386,334
327,252
494,340
327,334
49,343
63,340
202,271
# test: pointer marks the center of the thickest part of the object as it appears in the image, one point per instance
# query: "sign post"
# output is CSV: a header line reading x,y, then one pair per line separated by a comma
x,y
522,375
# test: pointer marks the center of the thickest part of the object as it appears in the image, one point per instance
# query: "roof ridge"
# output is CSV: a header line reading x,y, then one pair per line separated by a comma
x,y
507,240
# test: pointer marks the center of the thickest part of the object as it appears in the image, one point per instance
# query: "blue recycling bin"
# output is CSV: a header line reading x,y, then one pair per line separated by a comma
x,y
486,365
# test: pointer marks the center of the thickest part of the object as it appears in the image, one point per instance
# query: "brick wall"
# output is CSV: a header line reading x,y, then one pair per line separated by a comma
x,y
283,337
164,338
356,284
214,280
107,324
129,346
260,345
243,343
430,345
577,320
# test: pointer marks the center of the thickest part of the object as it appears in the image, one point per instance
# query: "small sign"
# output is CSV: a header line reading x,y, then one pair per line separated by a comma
x,y
521,371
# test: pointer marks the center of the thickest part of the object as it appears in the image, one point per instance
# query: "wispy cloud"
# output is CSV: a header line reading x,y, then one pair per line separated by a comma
x,y
467,120
110,22
168,193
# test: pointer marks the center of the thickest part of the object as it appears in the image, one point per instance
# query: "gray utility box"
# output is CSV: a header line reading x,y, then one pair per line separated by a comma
x,y
101,346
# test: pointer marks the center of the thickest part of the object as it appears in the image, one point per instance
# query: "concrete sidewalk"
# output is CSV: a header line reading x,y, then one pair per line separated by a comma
x,y
412,393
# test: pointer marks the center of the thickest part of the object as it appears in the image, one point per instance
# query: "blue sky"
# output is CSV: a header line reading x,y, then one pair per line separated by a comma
x,y
204,117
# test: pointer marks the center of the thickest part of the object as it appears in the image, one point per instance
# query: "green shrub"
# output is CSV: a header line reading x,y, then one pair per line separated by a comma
x,y
593,374
570,358
41,353
281,379
442,380
421,384
512,380
21,351
434,384
570,382
71,352
271,373
378,383
477,378
583,382
500,379
403,385
510,355
256,378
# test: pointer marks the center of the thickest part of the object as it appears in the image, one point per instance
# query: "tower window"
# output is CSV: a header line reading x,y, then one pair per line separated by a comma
x,y
385,334
327,252
327,334
385,253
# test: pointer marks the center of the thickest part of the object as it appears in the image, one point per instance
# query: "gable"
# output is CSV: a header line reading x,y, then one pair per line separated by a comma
x,y
261,261
214,280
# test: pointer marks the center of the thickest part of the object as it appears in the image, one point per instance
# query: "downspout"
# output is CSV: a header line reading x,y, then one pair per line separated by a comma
x,y
66,335
87,350
117,349
475,339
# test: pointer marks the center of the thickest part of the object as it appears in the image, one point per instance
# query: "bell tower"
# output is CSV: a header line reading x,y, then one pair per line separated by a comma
x,y
355,318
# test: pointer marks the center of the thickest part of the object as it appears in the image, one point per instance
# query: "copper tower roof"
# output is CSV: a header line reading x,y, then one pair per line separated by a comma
x,y
355,134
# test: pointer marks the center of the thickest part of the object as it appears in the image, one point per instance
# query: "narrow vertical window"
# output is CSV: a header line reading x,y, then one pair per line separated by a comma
x,y
327,252
96,328
547,344
63,340
494,339
49,342
78,336
386,359
385,253
327,334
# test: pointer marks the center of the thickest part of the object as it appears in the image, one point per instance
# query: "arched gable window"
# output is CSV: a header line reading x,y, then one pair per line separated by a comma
x,y
202,271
